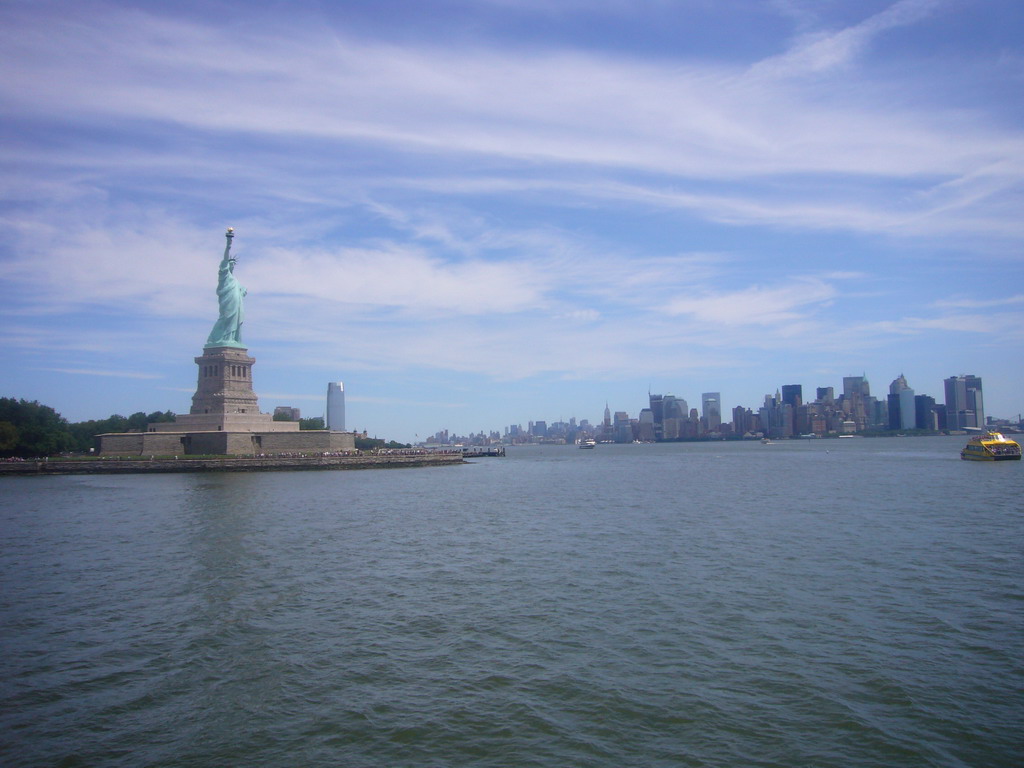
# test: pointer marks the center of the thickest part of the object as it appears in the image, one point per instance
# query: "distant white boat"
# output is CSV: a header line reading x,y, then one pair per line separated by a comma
x,y
587,442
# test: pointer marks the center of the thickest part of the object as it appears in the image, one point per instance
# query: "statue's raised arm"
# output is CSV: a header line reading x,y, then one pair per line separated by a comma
x,y
227,331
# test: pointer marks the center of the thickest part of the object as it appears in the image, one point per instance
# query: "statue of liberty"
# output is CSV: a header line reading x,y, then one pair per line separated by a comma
x,y
227,331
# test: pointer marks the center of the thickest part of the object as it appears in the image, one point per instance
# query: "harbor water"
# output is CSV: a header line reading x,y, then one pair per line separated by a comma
x,y
808,603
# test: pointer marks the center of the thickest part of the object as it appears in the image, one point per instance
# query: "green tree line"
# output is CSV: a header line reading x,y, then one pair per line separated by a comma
x,y
30,429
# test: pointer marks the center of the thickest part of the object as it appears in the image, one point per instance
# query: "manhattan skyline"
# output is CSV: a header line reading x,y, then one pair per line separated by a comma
x,y
832,401
473,212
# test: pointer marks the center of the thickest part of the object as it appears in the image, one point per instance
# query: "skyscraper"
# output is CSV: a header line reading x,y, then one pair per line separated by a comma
x,y
657,409
711,405
925,416
793,394
336,406
675,407
965,407
856,404
674,410
855,385
902,414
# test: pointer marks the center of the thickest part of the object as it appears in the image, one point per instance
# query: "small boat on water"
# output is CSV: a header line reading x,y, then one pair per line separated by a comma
x,y
587,442
991,446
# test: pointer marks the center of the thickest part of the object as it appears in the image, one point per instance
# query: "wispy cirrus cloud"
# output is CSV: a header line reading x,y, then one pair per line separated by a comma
x,y
758,305
109,374
1000,328
708,121
980,303
819,52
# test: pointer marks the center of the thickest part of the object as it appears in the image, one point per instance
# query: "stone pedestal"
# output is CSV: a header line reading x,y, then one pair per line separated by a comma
x,y
224,400
225,382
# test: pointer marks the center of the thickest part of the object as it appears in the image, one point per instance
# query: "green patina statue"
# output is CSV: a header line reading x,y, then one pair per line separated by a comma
x,y
227,331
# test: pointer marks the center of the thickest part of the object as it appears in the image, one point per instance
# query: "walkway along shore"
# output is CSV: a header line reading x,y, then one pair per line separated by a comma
x,y
224,464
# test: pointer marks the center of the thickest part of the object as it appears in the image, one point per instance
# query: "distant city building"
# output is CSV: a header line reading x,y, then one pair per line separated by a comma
x,y
711,410
925,414
773,417
908,413
858,405
623,428
893,408
793,394
855,385
802,419
336,406
657,409
964,403
900,402
675,407
826,395
645,426
742,420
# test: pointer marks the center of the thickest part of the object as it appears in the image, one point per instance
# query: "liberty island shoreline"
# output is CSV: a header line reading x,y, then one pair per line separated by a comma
x,y
108,466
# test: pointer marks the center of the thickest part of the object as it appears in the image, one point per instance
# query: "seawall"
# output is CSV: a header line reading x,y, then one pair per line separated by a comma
x,y
224,464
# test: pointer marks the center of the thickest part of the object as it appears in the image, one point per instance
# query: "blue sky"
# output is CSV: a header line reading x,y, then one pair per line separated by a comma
x,y
481,213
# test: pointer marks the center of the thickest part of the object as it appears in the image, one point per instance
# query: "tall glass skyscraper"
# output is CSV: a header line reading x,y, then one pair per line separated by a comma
x,y
336,406
711,405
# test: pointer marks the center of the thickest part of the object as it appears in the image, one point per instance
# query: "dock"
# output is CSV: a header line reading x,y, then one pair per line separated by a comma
x,y
478,451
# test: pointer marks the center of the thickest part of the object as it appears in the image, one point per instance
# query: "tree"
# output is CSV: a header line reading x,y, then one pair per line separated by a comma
x,y
8,436
368,443
316,422
84,432
30,429
34,429
374,443
137,422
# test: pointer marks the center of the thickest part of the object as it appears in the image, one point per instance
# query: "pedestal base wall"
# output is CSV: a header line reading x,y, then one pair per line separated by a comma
x,y
223,443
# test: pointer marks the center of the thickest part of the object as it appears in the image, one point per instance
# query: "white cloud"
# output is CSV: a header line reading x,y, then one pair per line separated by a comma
x,y
401,278
818,52
757,305
111,374
709,121
980,303
813,154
